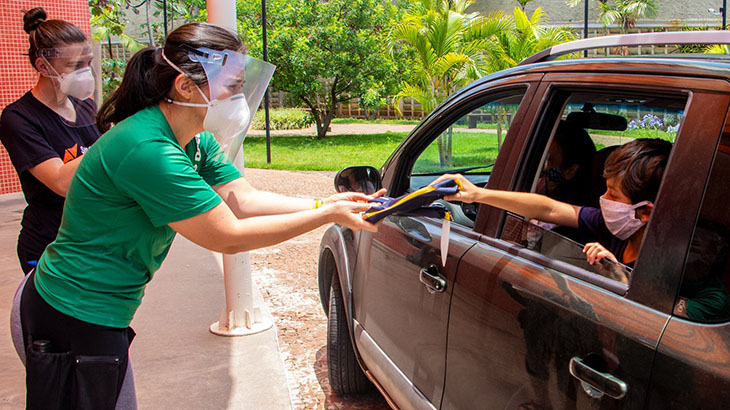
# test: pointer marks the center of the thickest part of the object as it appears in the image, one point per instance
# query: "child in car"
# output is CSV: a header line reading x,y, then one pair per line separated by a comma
x,y
633,173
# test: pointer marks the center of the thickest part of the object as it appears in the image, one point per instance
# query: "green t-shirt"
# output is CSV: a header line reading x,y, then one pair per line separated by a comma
x,y
130,184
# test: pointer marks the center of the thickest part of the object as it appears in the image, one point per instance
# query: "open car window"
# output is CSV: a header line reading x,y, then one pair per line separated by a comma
x,y
469,145
567,165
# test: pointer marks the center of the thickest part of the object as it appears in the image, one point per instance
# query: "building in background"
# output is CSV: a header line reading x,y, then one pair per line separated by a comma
x,y
16,74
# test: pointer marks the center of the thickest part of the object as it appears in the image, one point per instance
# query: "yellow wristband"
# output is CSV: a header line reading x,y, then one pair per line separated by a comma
x,y
318,203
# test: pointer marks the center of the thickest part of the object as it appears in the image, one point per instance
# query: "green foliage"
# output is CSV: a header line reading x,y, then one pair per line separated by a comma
x,y
178,12
374,121
523,3
326,52
283,119
330,154
523,37
107,21
448,48
623,13
112,71
372,100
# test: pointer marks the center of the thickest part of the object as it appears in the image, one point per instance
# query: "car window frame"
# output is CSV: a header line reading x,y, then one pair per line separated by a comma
x,y
643,287
396,175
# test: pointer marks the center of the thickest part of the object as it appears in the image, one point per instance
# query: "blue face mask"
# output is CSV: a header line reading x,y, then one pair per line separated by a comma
x,y
554,175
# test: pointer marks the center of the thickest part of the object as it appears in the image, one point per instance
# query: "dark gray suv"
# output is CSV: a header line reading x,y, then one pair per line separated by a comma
x,y
516,318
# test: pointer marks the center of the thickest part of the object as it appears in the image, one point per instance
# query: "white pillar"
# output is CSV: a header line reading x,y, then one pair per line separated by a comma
x,y
240,316
222,13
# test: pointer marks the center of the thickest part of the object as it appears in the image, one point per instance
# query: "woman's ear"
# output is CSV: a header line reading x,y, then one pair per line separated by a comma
x,y
41,66
184,88
644,212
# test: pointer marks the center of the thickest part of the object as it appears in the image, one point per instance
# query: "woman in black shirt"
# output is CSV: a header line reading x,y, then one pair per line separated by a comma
x,y
48,129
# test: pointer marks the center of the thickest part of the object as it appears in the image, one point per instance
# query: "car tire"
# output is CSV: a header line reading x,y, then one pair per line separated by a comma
x,y
345,375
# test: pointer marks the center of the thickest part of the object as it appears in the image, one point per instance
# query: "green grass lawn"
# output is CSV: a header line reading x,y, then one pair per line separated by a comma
x,y
469,149
330,154
338,151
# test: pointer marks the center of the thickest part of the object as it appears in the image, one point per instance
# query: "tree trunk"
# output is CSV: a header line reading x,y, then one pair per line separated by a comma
x,y
327,116
444,145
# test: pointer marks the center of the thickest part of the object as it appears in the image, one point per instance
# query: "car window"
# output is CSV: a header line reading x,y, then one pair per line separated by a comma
x,y
468,146
590,126
703,294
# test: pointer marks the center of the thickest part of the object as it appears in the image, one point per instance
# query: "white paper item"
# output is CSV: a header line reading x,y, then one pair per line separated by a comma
x,y
445,231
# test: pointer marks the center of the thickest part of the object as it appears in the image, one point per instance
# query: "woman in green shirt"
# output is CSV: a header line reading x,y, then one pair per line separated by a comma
x,y
159,171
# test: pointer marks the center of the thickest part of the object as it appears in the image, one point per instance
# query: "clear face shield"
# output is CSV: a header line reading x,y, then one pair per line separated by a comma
x,y
236,83
70,67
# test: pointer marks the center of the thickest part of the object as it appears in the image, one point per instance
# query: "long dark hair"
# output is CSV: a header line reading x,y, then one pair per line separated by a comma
x,y
149,78
44,33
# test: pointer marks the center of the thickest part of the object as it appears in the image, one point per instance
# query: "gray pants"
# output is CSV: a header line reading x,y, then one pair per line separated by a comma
x,y
127,396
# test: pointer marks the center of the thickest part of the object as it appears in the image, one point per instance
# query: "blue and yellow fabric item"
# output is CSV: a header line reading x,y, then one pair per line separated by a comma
x,y
416,203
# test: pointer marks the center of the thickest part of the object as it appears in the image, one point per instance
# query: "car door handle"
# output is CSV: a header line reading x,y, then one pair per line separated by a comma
x,y
430,277
596,383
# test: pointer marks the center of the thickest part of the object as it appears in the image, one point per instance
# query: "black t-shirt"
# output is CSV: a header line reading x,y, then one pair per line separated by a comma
x,y
33,133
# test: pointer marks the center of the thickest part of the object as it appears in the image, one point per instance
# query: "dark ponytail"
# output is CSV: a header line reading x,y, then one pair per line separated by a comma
x,y
44,34
149,78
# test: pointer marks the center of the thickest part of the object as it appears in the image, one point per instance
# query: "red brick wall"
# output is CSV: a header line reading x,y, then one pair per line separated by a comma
x,y
16,74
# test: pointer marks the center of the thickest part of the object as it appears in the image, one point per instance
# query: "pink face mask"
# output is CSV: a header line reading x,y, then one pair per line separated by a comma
x,y
621,218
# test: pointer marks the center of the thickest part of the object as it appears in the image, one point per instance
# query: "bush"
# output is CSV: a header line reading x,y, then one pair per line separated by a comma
x,y
283,119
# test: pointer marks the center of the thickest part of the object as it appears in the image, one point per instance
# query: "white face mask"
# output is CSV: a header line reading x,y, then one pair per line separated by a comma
x,y
621,218
225,118
79,84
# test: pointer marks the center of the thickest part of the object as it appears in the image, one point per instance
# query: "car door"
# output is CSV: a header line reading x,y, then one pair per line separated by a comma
x,y
535,327
401,289
692,365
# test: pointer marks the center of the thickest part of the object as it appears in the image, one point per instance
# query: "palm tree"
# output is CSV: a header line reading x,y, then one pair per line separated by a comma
x,y
448,46
623,13
525,37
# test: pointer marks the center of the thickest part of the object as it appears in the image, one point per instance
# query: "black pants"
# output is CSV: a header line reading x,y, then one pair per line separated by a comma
x,y
88,360
27,259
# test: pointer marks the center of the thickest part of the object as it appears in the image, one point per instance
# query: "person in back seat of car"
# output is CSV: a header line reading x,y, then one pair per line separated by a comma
x,y
633,173
566,176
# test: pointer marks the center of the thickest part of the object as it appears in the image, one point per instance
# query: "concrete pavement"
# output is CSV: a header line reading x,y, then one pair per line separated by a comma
x,y
178,364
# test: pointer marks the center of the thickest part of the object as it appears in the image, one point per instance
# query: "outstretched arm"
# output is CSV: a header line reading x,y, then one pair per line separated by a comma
x,y
220,230
523,203
246,201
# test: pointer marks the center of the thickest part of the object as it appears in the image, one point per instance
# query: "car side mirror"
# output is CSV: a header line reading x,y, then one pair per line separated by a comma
x,y
365,179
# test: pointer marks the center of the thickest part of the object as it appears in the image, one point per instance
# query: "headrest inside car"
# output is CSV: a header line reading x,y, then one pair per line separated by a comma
x,y
597,121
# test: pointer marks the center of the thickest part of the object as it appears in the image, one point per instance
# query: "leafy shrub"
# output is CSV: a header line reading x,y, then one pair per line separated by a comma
x,y
669,125
283,119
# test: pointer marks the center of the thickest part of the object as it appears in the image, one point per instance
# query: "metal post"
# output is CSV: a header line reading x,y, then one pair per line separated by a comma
x,y
724,14
266,95
240,316
585,25
164,15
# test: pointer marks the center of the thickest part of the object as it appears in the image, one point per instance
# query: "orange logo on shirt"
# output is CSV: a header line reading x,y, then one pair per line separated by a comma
x,y
70,153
